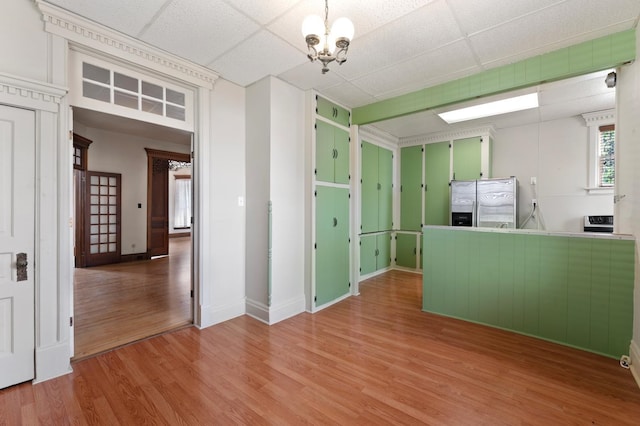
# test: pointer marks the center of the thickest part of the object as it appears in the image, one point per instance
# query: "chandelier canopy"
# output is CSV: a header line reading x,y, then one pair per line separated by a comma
x,y
327,45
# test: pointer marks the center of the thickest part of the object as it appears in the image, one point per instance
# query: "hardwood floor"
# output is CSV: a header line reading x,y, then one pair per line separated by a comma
x,y
368,360
124,302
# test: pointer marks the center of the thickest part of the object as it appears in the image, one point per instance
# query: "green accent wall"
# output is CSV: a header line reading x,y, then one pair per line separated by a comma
x,y
590,56
573,290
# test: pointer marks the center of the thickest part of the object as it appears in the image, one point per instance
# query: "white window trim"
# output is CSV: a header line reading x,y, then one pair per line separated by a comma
x,y
593,121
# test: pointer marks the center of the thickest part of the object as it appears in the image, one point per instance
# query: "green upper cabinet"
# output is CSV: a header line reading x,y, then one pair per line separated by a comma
x,y
377,188
467,162
436,177
332,153
332,243
333,112
411,188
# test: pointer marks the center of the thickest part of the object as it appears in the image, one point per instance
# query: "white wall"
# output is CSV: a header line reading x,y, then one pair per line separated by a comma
x,y
116,152
276,173
556,153
628,179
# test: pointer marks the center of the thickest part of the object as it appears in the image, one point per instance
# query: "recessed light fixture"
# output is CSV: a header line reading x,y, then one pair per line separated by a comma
x,y
518,103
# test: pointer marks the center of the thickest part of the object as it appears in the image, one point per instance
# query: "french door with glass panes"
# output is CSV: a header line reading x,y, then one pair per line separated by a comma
x,y
102,218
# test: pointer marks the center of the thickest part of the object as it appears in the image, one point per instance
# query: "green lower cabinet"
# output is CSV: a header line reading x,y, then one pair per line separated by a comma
x,y
375,253
407,250
332,244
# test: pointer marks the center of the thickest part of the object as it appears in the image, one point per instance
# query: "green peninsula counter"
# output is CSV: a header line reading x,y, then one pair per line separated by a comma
x,y
573,289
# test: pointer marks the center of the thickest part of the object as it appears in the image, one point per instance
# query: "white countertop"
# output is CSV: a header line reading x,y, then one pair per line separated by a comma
x,y
602,235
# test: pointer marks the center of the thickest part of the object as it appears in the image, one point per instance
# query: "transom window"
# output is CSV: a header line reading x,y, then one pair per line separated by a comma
x,y
120,89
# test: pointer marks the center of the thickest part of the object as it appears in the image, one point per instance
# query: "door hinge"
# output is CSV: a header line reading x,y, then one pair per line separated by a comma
x,y
70,321
315,246
70,135
191,293
315,298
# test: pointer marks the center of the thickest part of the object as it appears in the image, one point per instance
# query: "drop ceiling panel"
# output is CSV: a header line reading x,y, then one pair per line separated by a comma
x,y
247,62
263,11
348,94
126,16
418,69
552,28
475,16
199,30
424,30
309,76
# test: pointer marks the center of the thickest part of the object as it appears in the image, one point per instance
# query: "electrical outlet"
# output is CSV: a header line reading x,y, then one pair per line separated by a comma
x,y
534,201
534,180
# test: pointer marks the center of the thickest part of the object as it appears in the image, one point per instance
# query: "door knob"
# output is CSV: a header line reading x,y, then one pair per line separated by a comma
x,y
21,266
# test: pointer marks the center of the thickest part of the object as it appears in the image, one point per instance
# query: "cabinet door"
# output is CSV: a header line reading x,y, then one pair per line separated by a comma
x,y
332,243
436,177
383,251
411,188
367,254
467,163
369,188
385,194
325,152
341,160
332,111
406,250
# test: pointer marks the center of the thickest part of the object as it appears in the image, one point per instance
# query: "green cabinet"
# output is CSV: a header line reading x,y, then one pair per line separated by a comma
x,y
332,153
436,177
467,163
333,112
375,252
407,250
377,188
332,244
411,188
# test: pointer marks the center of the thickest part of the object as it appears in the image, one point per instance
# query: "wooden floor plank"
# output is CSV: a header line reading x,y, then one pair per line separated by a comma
x,y
372,359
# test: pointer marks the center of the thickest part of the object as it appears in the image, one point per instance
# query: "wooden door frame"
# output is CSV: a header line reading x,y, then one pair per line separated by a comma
x,y
80,178
152,155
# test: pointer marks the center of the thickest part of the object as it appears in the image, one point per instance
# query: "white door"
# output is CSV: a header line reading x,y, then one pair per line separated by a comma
x,y
17,195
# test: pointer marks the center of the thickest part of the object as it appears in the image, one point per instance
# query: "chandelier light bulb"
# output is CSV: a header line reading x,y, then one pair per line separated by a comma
x,y
312,25
343,28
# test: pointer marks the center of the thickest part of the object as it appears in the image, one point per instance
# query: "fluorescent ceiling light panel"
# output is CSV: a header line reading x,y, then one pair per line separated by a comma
x,y
504,106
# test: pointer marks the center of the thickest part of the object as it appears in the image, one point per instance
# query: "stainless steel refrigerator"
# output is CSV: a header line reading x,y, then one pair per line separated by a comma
x,y
463,203
497,203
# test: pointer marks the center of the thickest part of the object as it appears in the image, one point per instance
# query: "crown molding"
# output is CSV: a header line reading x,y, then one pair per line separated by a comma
x,y
372,132
599,117
447,136
24,92
86,33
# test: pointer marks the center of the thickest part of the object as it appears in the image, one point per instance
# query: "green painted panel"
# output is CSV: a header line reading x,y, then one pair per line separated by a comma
x,y
420,245
467,163
411,188
436,176
385,196
331,111
341,145
406,250
332,243
367,254
324,151
369,188
383,245
572,290
590,56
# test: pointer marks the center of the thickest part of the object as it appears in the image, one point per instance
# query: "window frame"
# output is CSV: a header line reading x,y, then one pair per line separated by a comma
x,y
594,121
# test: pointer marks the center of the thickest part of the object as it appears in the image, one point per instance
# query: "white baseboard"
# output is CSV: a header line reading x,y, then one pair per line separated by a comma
x,y
52,361
634,354
211,315
275,314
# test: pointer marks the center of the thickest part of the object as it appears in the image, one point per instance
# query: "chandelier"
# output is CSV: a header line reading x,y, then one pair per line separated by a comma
x,y
324,45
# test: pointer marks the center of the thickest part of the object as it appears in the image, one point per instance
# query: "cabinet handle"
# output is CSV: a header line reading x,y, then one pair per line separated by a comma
x,y
415,251
336,151
377,252
335,222
379,187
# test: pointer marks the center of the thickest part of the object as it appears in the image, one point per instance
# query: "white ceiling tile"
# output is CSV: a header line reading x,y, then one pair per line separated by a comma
x,y
309,76
263,11
199,30
349,95
249,61
417,71
474,16
552,28
424,30
126,16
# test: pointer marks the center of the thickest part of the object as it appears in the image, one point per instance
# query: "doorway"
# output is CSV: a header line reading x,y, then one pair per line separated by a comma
x,y
132,296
